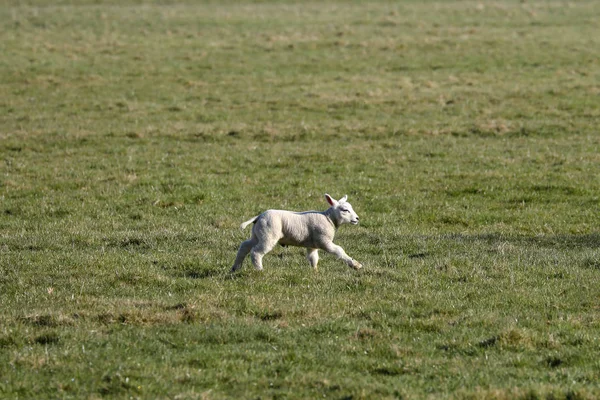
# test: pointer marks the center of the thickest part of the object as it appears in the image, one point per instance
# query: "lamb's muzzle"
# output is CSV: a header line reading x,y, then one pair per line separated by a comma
x,y
313,230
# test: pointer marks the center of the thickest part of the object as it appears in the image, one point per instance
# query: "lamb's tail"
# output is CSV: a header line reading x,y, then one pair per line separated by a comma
x,y
251,220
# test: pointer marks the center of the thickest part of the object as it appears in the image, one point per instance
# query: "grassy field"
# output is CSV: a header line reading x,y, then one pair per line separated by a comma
x,y
135,137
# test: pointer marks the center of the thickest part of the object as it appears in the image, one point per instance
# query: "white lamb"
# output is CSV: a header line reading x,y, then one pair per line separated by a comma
x,y
311,229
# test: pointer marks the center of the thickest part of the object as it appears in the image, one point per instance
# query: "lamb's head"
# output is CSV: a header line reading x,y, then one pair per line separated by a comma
x,y
341,211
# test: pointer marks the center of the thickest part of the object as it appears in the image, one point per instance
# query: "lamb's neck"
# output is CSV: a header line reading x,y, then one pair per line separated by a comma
x,y
331,217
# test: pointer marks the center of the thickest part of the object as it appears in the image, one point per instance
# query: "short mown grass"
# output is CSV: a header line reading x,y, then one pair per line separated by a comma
x,y
136,136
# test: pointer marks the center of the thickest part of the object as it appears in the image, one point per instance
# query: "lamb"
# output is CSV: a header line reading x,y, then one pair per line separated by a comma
x,y
311,229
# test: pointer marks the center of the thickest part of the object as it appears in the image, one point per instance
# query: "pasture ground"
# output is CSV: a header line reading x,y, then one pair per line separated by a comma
x,y
136,136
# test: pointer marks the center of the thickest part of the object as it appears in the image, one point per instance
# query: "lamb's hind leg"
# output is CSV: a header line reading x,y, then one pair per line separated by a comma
x,y
259,250
245,248
340,253
313,257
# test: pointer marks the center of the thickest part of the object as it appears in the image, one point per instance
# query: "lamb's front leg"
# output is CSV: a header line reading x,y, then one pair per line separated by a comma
x,y
340,253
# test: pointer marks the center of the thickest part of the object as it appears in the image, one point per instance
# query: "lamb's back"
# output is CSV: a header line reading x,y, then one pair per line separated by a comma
x,y
306,229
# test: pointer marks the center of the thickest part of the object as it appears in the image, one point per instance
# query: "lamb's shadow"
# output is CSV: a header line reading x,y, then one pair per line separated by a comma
x,y
202,273
426,246
564,241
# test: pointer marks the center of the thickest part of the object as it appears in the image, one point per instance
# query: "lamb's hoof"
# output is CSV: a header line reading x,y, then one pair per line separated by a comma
x,y
356,265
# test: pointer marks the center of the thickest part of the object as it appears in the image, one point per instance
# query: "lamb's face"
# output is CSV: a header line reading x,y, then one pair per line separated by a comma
x,y
346,213
343,213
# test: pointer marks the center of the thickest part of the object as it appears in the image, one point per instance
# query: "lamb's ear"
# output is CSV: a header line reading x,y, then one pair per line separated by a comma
x,y
332,202
343,199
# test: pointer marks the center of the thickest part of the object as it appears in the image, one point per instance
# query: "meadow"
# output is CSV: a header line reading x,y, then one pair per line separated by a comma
x,y
135,137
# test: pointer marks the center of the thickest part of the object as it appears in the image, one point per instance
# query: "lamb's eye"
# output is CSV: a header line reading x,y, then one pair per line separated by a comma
x,y
345,211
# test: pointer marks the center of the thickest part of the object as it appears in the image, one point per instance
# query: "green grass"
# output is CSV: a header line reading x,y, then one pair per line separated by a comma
x,y
136,136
